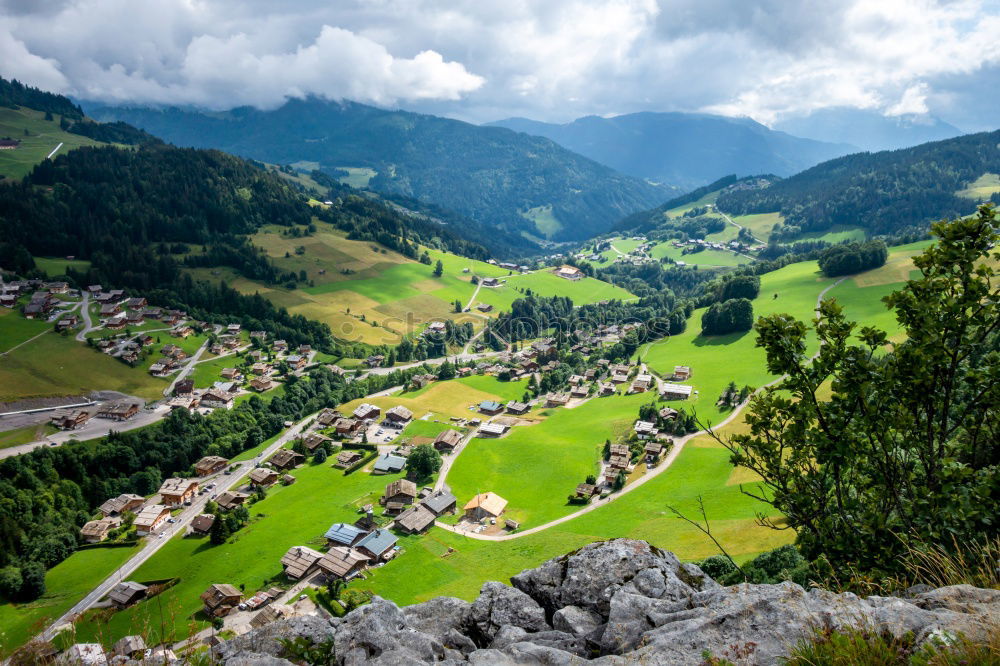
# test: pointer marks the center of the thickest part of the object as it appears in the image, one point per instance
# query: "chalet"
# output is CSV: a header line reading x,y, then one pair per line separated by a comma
x,y
280,346
314,440
182,332
447,440
341,562
493,429
262,476
217,399
347,458
464,371
653,450
202,523
641,383
67,322
71,421
231,499
152,313
682,373
286,459
375,360
137,303
644,429
130,647
365,411
174,352
271,613
328,417
298,561
261,368
305,350
220,599
287,479
146,340
210,465
226,387
189,402
116,506
580,391
556,399
116,322
57,287
261,384
134,319
401,491
175,492
576,380
163,367
94,289
110,310
184,387
296,362
378,545
170,317
568,272
440,503
96,531
118,411
675,392
8,300
232,374
126,593
514,407
387,463
414,520
80,654
484,307
150,518
618,462
343,534
668,413
347,427
485,506
436,328
233,329
490,407
398,416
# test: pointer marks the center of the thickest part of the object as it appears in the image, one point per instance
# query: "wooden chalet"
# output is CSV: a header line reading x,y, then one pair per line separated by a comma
x,y
286,459
210,465
447,440
347,458
231,499
263,476
118,411
127,593
175,492
401,491
202,523
342,562
298,561
485,506
71,421
220,599
414,520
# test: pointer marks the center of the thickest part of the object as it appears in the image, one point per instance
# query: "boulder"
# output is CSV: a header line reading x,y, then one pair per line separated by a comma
x,y
500,605
577,621
378,633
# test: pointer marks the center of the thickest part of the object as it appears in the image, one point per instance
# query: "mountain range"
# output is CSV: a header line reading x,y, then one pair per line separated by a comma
x,y
518,183
867,129
685,150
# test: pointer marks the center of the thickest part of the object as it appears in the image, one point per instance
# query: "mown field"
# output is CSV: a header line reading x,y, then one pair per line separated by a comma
x,y
53,266
43,135
982,188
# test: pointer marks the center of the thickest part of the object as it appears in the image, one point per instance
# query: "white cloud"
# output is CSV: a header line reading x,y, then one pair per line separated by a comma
x,y
481,59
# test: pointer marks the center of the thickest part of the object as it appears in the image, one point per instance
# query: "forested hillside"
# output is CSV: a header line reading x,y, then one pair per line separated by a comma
x,y
140,216
684,150
490,174
886,193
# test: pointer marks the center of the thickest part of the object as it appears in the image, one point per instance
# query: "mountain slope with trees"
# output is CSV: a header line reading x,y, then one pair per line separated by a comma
x,y
490,174
684,150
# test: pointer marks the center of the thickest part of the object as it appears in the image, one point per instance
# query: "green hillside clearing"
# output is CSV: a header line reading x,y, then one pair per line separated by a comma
x,y
43,136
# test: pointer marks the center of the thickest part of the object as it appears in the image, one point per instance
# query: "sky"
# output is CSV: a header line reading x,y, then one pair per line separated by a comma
x,y
553,60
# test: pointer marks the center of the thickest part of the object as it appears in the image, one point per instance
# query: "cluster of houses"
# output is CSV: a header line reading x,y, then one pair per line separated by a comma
x,y
72,419
42,302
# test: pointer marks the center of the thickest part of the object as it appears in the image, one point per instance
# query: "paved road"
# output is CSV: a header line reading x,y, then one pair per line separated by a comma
x,y
154,543
88,324
730,221
596,504
186,370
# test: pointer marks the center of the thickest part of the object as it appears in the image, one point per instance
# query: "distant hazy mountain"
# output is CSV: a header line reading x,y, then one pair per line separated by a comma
x,y
683,149
490,174
868,130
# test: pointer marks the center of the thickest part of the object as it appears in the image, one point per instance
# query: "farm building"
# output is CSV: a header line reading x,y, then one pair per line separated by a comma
x,y
485,505
586,490
568,272
490,407
414,520
341,562
675,392
130,647
557,400
126,593
400,490
514,407
298,560
220,599
682,373
388,464
440,503
447,440
286,459
378,545
492,429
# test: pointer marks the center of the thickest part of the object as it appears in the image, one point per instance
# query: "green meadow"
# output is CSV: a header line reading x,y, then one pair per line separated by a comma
x,y
707,258
43,135
53,266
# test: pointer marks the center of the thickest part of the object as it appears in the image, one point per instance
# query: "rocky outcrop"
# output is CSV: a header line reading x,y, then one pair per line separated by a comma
x,y
617,602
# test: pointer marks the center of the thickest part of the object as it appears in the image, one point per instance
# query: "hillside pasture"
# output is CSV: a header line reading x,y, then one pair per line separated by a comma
x,y
43,136
759,224
545,222
708,258
54,266
982,188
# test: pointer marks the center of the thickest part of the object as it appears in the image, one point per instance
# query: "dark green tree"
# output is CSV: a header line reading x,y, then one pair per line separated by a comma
x,y
423,461
220,531
438,269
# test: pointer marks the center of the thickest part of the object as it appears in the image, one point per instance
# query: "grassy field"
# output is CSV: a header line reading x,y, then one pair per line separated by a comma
x,y
982,188
447,399
53,266
53,365
700,203
43,136
15,329
20,436
838,233
373,295
357,176
543,219
759,224
206,373
536,467
291,515
66,583
718,258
